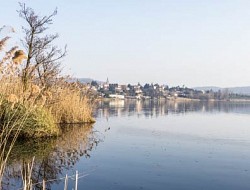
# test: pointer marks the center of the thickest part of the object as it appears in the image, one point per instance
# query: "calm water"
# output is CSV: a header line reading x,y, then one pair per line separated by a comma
x,y
146,145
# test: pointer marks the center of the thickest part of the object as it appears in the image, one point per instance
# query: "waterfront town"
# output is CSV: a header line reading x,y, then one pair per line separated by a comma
x,y
156,91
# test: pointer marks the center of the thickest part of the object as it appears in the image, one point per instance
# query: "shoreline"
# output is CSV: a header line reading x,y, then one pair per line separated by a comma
x,y
179,99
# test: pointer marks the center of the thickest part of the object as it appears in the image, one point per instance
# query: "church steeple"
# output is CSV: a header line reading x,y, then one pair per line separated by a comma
x,y
106,84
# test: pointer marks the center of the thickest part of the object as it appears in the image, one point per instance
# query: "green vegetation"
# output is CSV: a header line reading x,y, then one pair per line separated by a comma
x,y
31,85
34,97
37,123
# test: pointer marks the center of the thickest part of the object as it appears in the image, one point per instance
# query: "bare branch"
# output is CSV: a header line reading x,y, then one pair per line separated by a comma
x,y
43,58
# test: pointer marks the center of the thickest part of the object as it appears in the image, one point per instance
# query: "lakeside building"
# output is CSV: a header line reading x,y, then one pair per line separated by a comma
x,y
155,91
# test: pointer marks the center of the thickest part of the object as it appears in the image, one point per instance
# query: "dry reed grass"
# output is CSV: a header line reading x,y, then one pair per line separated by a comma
x,y
68,104
9,131
34,111
64,102
27,175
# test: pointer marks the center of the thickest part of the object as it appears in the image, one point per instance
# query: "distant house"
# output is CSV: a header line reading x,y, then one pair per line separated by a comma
x,y
124,87
118,88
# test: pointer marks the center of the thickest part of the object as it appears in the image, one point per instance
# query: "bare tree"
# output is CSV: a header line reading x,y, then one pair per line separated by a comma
x,y
43,57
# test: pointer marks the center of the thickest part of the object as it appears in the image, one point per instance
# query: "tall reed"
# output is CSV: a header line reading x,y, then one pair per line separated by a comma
x,y
35,110
69,104
9,131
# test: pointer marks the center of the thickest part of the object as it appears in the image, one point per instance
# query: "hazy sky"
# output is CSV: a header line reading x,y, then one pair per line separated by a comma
x,y
175,42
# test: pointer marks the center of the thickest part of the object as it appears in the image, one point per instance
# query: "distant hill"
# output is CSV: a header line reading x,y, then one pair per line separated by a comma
x,y
205,88
239,90
86,80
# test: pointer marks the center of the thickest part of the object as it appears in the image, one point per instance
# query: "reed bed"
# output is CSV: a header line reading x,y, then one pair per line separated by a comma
x,y
69,104
34,110
47,106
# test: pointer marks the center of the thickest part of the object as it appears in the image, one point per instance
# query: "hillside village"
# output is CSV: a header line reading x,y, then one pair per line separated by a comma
x,y
156,91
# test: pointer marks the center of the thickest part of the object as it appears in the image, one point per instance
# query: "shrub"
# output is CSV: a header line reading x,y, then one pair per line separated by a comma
x,y
38,121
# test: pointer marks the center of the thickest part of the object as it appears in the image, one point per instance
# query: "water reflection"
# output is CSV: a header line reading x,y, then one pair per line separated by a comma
x,y
52,157
155,108
154,142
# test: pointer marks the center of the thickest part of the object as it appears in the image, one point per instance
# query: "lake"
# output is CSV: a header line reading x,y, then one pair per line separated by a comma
x,y
145,145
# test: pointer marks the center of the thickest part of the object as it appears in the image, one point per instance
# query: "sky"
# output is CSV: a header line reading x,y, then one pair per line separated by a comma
x,y
175,42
